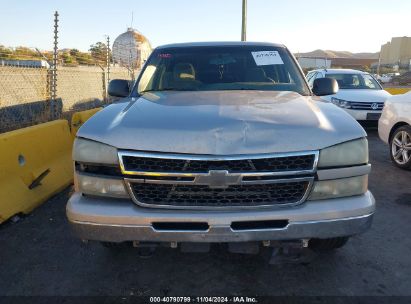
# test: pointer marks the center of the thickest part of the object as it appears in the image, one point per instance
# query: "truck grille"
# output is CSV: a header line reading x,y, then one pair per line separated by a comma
x,y
300,162
238,195
190,181
366,106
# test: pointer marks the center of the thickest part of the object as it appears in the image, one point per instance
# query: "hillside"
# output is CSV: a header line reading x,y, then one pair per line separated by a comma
x,y
339,54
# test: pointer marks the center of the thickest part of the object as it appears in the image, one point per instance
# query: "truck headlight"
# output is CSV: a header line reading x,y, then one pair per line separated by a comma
x,y
341,103
88,151
339,188
95,153
101,186
350,153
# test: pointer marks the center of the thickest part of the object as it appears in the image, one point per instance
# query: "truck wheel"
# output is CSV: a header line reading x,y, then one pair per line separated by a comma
x,y
322,245
400,144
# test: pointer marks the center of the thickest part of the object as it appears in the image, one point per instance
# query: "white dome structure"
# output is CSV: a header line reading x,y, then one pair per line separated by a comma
x,y
131,49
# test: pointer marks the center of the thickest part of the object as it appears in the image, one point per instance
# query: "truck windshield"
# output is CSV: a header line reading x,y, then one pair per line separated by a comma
x,y
204,68
355,81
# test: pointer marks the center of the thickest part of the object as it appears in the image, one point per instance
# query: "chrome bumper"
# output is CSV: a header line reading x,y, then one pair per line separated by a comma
x,y
114,220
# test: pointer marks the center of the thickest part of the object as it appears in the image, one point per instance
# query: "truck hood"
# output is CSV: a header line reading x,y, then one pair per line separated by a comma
x,y
222,123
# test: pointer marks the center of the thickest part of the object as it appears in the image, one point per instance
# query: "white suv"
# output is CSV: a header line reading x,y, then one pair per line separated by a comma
x,y
360,93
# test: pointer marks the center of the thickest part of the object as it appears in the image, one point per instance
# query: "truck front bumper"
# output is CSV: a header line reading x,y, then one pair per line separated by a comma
x,y
363,114
114,220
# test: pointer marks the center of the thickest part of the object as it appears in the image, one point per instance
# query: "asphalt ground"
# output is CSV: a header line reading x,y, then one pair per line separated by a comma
x,y
40,256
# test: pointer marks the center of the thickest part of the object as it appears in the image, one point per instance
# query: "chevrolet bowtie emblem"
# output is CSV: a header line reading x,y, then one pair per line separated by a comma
x,y
218,179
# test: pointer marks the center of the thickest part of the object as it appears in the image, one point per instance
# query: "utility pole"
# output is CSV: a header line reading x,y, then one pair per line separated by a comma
x,y
244,22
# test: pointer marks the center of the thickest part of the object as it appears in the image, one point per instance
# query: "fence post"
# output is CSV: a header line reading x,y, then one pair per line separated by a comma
x,y
103,81
108,59
53,81
107,70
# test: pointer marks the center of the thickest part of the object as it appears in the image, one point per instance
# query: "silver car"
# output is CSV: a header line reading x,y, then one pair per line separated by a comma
x,y
221,142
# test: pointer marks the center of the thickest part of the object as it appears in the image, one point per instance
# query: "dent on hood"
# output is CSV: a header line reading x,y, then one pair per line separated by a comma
x,y
222,123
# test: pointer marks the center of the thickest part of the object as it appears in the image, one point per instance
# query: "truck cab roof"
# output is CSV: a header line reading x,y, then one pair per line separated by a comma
x,y
219,43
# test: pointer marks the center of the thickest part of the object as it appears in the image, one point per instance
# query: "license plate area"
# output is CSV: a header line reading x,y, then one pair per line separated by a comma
x,y
373,116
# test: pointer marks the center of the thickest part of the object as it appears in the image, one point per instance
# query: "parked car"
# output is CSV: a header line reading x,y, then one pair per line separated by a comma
x,y
404,79
360,94
377,77
394,128
221,142
385,78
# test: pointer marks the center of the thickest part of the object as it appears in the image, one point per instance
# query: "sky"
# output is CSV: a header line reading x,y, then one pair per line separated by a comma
x,y
348,25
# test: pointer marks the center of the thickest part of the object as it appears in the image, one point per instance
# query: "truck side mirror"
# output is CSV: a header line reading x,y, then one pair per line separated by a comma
x,y
119,88
325,86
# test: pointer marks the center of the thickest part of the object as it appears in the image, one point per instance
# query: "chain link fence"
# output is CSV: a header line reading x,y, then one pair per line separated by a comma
x,y
82,88
25,91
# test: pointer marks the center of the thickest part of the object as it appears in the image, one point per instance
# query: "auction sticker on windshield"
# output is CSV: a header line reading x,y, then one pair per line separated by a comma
x,y
267,58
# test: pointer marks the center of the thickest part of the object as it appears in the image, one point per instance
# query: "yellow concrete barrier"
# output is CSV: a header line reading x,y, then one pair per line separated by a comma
x,y
35,164
397,91
79,118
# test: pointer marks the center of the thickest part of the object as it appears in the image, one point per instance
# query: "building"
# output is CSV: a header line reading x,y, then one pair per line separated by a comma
x,y
353,63
314,62
308,63
397,52
131,49
25,63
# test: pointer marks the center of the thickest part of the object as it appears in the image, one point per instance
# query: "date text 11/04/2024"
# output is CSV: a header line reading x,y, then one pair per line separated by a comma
x,y
237,299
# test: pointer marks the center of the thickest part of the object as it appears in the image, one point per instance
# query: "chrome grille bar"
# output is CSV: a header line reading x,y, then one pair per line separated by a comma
x,y
213,182
366,105
212,158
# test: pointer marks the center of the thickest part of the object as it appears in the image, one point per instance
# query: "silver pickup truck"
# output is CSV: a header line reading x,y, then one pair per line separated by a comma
x,y
221,142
